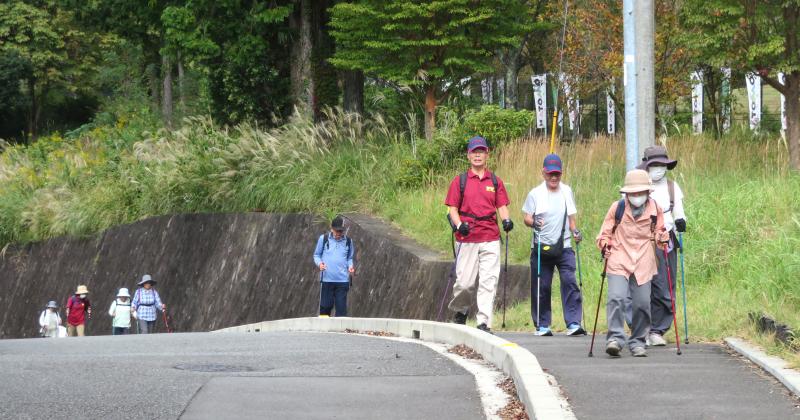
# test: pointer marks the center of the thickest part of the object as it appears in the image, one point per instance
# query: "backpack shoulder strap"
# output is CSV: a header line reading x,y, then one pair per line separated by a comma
x,y
349,243
325,243
618,214
494,182
462,185
671,189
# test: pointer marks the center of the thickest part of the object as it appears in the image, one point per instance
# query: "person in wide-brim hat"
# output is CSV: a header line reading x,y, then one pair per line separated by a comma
x,y
146,301
657,155
78,308
627,240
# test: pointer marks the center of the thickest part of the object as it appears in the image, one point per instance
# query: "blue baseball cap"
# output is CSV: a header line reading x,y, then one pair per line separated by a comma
x,y
552,163
477,142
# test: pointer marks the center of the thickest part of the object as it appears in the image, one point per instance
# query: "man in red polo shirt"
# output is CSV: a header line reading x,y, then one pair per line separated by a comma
x,y
474,217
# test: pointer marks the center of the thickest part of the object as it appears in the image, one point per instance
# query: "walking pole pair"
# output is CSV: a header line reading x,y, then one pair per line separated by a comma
x,y
599,297
683,288
672,298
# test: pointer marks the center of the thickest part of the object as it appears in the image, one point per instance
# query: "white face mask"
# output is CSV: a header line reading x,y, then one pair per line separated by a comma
x,y
83,296
637,201
657,172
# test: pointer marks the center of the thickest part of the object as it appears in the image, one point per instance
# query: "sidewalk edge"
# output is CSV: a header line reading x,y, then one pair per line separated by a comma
x,y
534,390
775,366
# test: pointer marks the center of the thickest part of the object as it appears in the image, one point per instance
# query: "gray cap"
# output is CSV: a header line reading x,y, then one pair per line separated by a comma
x,y
147,279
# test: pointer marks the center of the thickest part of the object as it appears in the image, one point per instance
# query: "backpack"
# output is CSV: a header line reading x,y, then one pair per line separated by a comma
x,y
326,244
462,185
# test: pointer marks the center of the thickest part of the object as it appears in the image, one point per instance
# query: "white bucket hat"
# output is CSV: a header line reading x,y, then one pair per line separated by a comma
x,y
123,292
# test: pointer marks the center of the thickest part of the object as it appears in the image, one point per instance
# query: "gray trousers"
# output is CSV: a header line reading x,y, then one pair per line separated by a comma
x,y
619,289
146,327
660,299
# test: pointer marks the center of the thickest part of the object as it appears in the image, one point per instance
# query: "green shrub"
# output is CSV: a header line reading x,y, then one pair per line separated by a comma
x,y
496,124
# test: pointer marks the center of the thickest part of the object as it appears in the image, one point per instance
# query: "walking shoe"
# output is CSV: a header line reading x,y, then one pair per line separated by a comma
x,y
460,318
484,328
656,340
638,352
543,332
613,348
575,329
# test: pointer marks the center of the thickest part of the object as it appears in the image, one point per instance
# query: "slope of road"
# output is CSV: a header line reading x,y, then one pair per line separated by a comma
x,y
200,375
705,382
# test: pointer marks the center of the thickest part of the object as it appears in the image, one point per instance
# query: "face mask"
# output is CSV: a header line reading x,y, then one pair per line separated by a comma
x,y
83,296
657,172
637,201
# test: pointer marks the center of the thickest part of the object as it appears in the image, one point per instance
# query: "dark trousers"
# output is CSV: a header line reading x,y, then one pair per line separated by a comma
x,y
119,330
571,299
146,327
333,293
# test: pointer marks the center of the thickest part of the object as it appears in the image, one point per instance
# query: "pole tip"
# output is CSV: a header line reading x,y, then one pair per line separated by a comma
x,y
590,354
679,353
686,341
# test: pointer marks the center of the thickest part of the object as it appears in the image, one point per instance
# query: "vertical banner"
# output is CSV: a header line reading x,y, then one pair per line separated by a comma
x,y
465,88
754,99
697,102
573,104
611,115
501,92
782,80
540,99
726,99
486,90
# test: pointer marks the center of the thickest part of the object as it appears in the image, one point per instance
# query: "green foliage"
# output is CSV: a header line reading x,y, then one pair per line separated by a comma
x,y
496,124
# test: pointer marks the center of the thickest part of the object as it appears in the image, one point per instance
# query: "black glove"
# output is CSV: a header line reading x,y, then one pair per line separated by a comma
x,y
508,225
463,229
680,225
576,234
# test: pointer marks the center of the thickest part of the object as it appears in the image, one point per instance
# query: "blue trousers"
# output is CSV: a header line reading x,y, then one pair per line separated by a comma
x,y
333,294
571,299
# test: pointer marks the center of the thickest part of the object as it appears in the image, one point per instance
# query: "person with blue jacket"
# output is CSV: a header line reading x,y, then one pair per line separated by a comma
x,y
333,256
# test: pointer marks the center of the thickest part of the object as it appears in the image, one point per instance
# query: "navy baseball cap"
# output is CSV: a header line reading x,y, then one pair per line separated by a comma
x,y
477,142
552,163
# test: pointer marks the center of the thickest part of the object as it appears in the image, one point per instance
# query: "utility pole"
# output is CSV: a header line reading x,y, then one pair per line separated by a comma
x,y
639,80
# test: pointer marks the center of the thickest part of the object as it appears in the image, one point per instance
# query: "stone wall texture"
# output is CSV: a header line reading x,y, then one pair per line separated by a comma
x,y
221,270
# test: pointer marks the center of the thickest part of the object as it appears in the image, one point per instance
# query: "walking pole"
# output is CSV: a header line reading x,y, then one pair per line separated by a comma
x,y
166,324
599,297
683,288
319,302
538,276
505,283
450,277
672,298
580,276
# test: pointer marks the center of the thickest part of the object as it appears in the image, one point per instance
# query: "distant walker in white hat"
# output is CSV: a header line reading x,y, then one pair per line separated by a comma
x,y
146,302
120,310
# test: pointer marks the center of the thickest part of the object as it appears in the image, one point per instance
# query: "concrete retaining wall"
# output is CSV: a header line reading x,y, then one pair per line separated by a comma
x,y
219,270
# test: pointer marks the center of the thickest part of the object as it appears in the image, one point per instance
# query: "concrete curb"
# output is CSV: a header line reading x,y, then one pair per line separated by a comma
x,y
776,366
533,388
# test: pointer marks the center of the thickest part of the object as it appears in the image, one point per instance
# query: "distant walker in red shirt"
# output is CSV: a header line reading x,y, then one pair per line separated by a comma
x,y
474,218
77,308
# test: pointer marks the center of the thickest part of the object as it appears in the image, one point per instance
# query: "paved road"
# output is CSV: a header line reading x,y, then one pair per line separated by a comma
x,y
705,382
204,376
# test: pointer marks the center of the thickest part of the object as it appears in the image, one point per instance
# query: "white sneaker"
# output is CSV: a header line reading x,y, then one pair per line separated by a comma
x,y
656,340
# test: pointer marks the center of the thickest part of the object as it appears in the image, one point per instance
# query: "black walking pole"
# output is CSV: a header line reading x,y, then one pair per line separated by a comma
x,y
580,276
452,274
599,297
505,283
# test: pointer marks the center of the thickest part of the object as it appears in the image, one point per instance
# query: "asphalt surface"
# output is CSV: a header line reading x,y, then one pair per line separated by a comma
x,y
204,376
705,382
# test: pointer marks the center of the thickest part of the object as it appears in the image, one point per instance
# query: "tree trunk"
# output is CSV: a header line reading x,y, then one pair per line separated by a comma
x,y
325,81
166,91
430,111
512,97
32,111
354,91
793,119
181,87
300,67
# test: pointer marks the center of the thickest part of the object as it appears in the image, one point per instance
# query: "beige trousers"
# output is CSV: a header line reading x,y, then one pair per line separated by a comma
x,y
72,329
477,267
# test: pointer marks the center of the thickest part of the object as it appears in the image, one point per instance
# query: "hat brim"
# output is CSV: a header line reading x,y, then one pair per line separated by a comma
x,y
671,164
552,171
635,189
143,282
478,147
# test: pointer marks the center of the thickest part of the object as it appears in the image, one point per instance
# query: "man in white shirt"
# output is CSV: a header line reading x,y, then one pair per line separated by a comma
x,y
550,210
668,195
